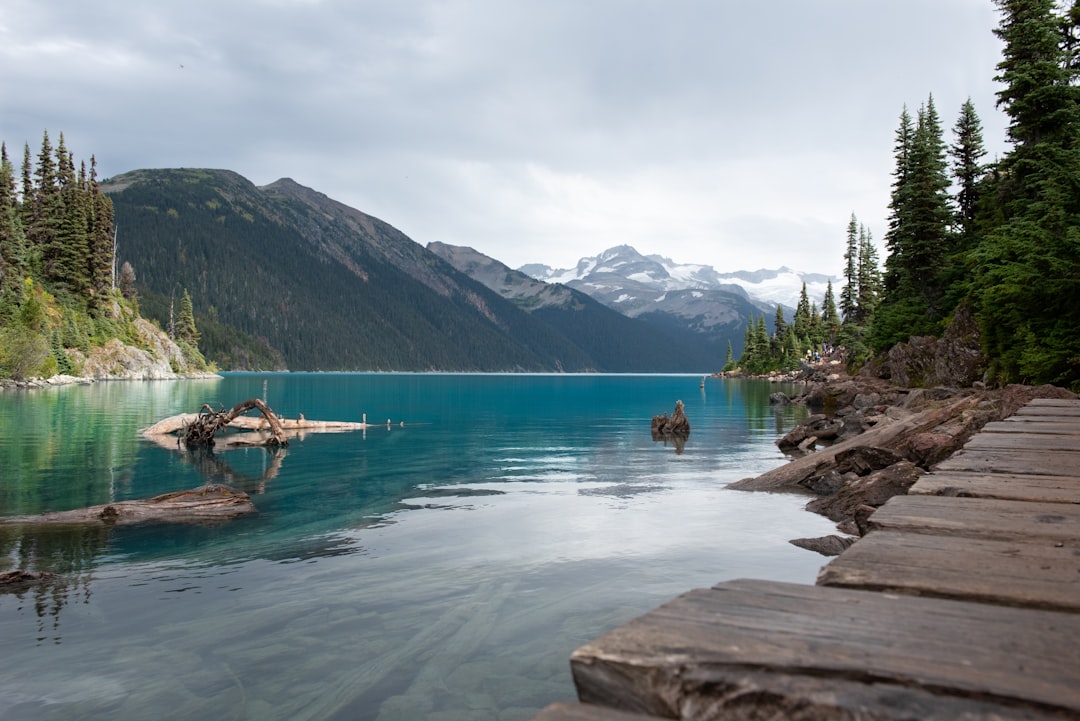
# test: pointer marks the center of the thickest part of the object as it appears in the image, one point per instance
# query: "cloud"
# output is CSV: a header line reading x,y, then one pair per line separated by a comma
x,y
739,135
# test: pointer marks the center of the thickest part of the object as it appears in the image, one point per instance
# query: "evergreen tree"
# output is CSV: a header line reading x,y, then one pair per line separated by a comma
x,y
1026,270
67,250
851,261
830,318
100,236
869,282
12,243
779,324
44,213
967,153
185,322
920,234
801,321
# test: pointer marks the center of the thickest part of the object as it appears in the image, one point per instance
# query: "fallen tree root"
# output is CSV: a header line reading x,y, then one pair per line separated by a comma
x,y
200,433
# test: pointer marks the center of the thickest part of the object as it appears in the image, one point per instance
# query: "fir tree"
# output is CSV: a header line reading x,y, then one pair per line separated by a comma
x,y
801,321
185,322
830,318
100,236
1026,270
869,281
967,153
919,238
779,324
851,260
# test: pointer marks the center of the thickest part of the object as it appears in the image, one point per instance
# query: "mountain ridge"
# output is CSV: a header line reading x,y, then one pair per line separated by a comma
x,y
285,269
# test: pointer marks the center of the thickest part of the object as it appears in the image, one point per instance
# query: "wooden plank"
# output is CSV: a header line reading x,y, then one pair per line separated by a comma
x,y
1053,403
1034,575
1025,442
1003,486
586,712
1058,463
1044,424
980,518
758,649
1060,408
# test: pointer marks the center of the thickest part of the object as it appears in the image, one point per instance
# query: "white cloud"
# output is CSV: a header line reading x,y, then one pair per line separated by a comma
x,y
737,135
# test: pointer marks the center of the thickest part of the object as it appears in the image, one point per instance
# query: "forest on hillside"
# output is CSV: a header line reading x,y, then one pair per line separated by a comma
x,y
1000,238
60,292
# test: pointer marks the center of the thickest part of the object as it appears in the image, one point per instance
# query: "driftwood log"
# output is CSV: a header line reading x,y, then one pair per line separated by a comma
x,y
212,502
200,433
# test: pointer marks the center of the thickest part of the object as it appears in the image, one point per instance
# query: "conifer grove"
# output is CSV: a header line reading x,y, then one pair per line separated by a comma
x,y
1001,237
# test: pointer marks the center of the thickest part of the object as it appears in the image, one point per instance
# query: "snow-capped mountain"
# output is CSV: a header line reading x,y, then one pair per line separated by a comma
x,y
623,275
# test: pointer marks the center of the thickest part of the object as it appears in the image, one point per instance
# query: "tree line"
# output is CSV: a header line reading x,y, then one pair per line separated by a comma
x,y
58,281
1002,237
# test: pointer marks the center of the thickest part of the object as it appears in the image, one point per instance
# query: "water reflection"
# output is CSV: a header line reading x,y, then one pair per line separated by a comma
x,y
61,557
214,468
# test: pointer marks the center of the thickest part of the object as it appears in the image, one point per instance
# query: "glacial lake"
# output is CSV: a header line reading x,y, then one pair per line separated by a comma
x,y
443,565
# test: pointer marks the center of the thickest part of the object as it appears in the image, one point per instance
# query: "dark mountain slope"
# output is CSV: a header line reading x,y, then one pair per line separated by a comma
x,y
329,287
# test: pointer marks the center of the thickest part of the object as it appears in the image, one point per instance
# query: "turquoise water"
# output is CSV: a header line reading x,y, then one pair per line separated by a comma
x,y
444,566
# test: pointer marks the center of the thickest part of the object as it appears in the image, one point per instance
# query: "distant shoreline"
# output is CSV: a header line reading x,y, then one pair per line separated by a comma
x,y
69,380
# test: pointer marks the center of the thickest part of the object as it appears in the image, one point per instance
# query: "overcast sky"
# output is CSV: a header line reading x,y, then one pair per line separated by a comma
x,y
737,134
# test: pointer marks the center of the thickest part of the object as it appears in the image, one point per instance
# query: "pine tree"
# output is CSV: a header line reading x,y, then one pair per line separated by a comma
x,y
185,322
830,318
869,281
101,239
1026,270
779,324
920,235
45,209
12,243
851,260
967,153
801,324
67,250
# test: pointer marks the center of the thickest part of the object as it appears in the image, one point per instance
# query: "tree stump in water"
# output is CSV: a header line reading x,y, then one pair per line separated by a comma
x,y
676,425
201,432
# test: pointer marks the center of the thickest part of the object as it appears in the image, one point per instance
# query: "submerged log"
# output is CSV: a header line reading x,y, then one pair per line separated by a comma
x,y
206,503
21,581
200,433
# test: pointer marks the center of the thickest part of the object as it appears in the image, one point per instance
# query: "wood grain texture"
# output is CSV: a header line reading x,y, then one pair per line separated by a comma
x,y
1042,575
984,518
757,647
1003,486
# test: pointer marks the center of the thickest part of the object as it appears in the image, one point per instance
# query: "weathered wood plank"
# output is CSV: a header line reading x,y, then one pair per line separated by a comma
x,y
586,712
1058,463
1061,408
1041,424
1003,486
1035,575
1053,402
1024,442
980,518
757,649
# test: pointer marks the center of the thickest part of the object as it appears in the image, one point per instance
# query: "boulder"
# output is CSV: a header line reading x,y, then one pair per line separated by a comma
x,y
825,545
872,490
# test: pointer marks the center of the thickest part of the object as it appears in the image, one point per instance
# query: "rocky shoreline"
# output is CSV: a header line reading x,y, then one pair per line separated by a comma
x,y
157,358
867,440
67,380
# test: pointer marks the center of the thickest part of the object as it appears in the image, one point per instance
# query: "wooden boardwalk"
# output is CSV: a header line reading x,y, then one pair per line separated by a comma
x,y
963,602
